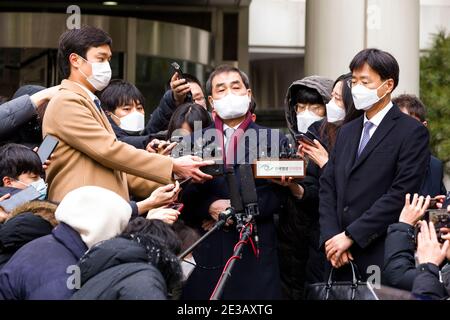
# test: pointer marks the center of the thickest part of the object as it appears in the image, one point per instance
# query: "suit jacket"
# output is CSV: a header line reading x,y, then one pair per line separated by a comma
x,y
252,278
89,153
433,184
366,195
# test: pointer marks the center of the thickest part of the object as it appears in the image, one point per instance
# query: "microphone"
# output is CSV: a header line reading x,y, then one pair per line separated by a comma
x,y
235,196
249,196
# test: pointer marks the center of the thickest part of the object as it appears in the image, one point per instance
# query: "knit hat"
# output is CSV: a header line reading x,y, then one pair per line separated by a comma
x,y
97,214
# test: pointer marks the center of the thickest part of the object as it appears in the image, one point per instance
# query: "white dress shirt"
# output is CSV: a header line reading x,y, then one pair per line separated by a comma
x,y
376,119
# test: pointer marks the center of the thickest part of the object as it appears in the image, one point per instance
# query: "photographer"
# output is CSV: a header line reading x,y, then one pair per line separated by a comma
x,y
400,268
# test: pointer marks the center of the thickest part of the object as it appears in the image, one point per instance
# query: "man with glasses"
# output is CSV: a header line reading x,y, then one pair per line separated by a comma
x,y
377,159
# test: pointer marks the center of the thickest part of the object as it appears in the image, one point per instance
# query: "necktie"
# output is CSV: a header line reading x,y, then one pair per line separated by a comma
x,y
98,104
228,133
366,137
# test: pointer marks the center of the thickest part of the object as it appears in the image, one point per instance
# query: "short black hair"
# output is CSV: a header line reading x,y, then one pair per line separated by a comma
x,y
79,41
118,93
16,159
380,61
162,244
412,104
189,113
308,95
191,78
225,68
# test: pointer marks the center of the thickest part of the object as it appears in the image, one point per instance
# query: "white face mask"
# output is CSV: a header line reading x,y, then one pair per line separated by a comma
x,y
334,112
231,106
101,74
134,121
364,98
305,119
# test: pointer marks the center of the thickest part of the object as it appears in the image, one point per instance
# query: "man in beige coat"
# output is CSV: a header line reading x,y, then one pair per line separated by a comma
x,y
88,152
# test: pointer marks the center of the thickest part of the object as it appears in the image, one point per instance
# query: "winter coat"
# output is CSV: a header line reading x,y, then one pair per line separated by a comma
x,y
30,221
399,269
252,278
14,114
427,285
120,269
40,269
88,152
159,120
298,228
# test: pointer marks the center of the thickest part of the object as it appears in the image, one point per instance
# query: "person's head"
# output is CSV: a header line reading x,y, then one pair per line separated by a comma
x,y
162,245
340,109
198,95
21,167
412,106
229,92
125,104
84,55
309,106
375,75
96,213
183,119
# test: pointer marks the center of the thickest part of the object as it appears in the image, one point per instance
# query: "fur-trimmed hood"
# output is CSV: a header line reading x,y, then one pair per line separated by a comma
x,y
44,209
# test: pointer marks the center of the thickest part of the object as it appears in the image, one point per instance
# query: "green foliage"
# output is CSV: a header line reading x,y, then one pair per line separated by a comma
x,y
435,94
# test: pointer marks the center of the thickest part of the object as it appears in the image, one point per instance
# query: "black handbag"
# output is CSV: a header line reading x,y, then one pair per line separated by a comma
x,y
341,290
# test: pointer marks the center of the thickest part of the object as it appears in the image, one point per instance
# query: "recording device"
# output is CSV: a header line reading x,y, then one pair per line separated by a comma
x,y
19,198
176,206
176,139
304,138
47,147
440,219
446,201
177,69
209,150
162,144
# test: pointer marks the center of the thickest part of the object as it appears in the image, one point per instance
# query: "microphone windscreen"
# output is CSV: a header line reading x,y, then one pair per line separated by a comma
x,y
235,196
248,187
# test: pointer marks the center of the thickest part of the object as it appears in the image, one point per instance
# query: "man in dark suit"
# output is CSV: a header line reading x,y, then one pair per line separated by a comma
x,y
433,184
377,159
252,277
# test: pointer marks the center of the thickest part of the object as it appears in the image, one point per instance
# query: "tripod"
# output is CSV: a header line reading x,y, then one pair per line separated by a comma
x,y
223,217
245,235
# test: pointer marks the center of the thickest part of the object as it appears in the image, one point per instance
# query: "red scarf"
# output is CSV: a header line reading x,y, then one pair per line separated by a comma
x,y
235,138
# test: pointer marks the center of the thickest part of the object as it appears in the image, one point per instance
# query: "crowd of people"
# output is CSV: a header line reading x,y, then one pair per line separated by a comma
x,y
119,199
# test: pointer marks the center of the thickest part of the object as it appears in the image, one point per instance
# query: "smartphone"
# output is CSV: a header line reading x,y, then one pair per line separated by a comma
x,y
433,203
176,206
163,144
19,198
185,182
47,147
446,201
176,139
305,139
177,69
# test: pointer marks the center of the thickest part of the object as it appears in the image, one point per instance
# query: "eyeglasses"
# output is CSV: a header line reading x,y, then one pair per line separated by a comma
x,y
316,108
